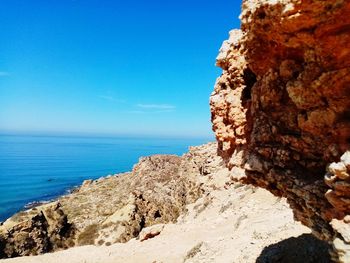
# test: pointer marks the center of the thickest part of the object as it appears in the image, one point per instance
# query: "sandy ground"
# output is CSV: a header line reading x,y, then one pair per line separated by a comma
x,y
238,224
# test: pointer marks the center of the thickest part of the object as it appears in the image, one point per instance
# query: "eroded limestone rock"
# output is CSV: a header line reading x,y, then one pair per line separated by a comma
x,y
42,230
281,106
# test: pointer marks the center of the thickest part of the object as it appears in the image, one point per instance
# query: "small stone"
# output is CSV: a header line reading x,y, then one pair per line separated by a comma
x,y
345,159
338,169
151,232
342,228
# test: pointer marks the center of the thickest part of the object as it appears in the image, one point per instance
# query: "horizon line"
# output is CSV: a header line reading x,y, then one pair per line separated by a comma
x,y
103,135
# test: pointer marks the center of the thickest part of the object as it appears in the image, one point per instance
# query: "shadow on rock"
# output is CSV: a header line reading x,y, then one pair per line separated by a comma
x,y
302,249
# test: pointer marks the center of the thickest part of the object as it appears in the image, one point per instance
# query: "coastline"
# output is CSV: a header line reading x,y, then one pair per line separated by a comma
x,y
37,168
45,201
187,203
68,191
86,206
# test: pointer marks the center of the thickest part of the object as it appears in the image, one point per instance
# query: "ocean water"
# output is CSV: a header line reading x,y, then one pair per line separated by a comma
x,y
39,168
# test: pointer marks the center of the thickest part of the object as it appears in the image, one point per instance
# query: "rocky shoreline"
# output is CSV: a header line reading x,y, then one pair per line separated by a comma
x,y
163,196
111,209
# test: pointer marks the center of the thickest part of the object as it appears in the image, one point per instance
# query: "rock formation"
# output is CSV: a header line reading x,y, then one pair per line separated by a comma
x,y
45,230
229,222
281,115
116,208
281,108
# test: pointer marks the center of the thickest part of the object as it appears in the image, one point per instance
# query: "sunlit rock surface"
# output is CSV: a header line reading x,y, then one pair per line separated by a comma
x,y
281,107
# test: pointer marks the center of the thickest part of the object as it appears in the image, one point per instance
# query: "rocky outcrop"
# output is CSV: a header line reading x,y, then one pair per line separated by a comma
x,y
233,223
281,107
338,179
45,230
116,208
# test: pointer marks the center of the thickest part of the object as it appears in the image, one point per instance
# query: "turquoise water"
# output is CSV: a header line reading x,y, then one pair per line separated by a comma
x,y
39,168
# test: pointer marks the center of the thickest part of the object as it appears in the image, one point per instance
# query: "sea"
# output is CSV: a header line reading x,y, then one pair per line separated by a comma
x,y
41,168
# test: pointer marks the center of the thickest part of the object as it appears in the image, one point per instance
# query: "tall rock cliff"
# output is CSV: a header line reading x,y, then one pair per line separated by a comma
x,y
281,108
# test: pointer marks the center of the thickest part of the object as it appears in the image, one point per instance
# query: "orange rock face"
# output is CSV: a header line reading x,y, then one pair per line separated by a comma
x,y
281,107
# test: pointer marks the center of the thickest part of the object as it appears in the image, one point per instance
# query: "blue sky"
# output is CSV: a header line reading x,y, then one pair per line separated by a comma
x,y
111,67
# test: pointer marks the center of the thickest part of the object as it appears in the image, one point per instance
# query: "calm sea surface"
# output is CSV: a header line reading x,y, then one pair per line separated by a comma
x,y
38,168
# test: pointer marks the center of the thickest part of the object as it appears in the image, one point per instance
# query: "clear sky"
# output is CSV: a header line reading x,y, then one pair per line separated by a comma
x,y
110,66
